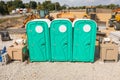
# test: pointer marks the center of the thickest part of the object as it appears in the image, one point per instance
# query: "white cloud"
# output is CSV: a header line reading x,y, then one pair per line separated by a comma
x,y
80,2
87,2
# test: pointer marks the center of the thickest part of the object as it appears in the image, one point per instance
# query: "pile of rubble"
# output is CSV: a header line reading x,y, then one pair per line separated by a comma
x,y
12,23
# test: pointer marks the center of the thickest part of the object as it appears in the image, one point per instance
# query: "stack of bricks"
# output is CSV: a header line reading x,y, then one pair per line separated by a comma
x,y
5,58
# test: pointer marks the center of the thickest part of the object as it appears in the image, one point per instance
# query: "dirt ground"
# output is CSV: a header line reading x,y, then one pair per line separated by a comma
x,y
101,16
16,22
62,70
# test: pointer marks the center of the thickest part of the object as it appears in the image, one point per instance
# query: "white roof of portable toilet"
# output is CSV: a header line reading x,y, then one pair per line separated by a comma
x,y
45,20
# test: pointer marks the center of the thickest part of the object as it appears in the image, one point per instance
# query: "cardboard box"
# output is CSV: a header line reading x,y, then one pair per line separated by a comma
x,y
109,51
15,53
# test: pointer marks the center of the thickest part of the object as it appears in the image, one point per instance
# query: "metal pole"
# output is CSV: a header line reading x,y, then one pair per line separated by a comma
x,y
30,4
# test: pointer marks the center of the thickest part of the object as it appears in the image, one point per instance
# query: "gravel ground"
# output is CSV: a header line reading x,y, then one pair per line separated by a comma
x,y
60,71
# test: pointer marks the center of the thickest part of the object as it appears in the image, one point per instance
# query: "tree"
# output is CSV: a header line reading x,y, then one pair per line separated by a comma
x,y
99,6
46,5
18,3
3,8
111,6
39,6
33,4
58,7
10,6
9,3
63,7
26,5
39,3
50,6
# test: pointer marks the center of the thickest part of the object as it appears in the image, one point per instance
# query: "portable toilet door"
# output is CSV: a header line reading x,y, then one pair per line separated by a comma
x,y
38,40
42,13
84,40
61,40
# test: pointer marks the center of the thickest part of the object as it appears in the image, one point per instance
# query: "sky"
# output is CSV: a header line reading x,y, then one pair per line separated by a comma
x,y
79,2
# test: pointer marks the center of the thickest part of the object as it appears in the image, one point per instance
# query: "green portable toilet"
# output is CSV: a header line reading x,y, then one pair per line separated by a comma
x,y
84,40
61,40
38,39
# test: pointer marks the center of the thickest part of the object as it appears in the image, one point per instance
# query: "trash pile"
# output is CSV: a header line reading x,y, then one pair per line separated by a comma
x,y
16,52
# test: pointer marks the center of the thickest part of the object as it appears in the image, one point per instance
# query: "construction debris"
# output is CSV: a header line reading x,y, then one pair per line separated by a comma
x,y
115,36
5,59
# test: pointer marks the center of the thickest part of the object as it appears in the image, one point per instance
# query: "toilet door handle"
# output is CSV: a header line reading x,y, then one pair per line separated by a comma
x,y
43,44
65,43
88,43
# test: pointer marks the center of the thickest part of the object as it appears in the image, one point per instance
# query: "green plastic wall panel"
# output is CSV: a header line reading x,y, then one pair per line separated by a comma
x,y
61,40
84,40
38,40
